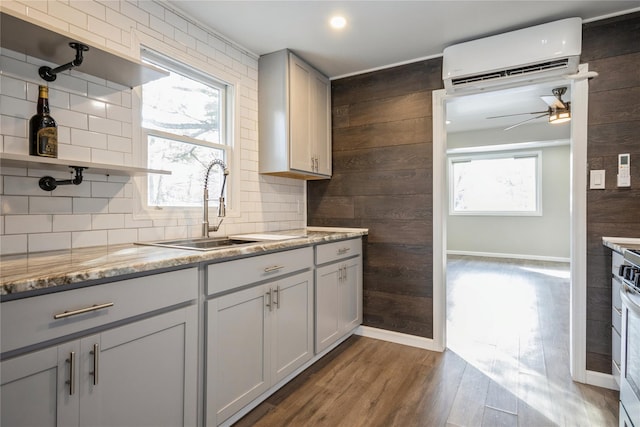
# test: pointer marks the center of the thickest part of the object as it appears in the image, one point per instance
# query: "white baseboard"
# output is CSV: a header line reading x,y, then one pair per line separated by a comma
x,y
599,379
398,338
512,256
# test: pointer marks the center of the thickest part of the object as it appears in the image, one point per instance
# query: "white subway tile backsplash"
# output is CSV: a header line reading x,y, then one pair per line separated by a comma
x,y
67,14
90,8
103,29
107,221
82,239
105,93
14,205
13,244
85,138
20,224
72,119
71,222
137,14
17,185
107,126
90,205
15,107
92,107
107,189
14,126
16,145
121,114
49,242
108,157
15,88
150,234
118,143
117,237
50,205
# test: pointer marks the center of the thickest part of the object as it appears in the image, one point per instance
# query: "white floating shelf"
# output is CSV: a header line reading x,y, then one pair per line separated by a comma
x,y
26,161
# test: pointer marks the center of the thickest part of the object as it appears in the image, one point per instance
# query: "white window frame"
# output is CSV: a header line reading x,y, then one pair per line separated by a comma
x,y
496,155
144,211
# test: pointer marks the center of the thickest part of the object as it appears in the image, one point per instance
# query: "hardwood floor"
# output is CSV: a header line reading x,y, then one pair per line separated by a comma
x,y
507,364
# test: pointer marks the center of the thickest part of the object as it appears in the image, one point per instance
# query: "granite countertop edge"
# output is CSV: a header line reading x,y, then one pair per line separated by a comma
x,y
46,271
621,244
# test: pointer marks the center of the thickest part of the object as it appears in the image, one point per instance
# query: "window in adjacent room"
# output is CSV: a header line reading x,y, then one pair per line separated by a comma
x,y
186,124
495,184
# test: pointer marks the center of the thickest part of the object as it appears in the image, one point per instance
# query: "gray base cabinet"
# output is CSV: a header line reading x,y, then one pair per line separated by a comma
x,y
338,291
140,373
256,337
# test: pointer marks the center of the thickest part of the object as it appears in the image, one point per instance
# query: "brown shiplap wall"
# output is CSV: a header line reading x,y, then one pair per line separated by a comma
x,y
612,48
383,179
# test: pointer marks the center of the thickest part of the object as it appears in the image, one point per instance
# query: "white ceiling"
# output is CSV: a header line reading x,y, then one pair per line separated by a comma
x,y
384,33
378,33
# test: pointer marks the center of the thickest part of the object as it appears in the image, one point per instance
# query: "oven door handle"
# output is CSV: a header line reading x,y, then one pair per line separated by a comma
x,y
630,298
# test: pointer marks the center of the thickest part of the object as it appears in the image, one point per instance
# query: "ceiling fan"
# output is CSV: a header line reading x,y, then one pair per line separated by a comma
x,y
558,111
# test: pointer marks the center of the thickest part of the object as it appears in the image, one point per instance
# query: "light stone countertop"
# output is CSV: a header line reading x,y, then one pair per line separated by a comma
x,y
620,244
44,271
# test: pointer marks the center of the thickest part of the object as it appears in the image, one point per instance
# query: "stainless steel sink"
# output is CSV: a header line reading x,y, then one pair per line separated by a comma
x,y
199,244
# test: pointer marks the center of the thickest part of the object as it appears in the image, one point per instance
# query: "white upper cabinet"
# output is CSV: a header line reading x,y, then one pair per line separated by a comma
x,y
294,118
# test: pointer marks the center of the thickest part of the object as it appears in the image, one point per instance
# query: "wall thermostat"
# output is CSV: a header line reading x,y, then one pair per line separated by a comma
x,y
624,172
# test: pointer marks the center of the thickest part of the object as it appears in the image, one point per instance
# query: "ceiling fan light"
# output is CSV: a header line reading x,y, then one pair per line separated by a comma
x,y
559,115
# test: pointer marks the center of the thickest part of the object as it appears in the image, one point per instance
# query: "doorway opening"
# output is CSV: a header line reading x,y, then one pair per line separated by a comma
x,y
577,222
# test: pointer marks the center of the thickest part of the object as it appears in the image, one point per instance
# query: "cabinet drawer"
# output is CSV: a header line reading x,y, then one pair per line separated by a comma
x,y
334,251
234,274
31,321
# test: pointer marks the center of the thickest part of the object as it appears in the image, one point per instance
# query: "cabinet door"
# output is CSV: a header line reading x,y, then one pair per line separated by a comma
x,y
292,323
35,389
237,358
144,373
321,123
328,306
300,149
351,294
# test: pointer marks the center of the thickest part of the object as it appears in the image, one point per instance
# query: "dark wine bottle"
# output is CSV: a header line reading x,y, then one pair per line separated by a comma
x,y
43,131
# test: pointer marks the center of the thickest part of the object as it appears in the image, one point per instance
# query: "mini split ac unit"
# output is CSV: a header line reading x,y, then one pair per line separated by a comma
x,y
534,53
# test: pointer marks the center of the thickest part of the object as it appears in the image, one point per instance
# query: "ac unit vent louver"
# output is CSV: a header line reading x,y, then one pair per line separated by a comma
x,y
544,51
529,69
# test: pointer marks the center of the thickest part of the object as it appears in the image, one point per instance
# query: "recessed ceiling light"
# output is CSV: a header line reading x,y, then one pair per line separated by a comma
x,y
338,22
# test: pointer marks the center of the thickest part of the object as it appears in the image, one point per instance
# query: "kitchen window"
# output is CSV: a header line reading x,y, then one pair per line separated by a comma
x,y
495,184
186,123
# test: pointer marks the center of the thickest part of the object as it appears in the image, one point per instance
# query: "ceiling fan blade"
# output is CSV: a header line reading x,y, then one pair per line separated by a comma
x,y
517,114
553,102
525,121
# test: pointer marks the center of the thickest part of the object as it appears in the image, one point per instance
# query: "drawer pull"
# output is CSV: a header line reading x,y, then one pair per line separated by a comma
x,y
273,268
343,251
82,310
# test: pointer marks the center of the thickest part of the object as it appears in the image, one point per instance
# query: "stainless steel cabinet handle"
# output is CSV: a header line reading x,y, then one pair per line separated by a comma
x,y
72,373
269,297
276,300
618,310
343,251
82,310
273,268
96,361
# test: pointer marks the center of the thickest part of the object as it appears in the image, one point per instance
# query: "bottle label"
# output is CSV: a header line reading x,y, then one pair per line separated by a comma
x,y
47,144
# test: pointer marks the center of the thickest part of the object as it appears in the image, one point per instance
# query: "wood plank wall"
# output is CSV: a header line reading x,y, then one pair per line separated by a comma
x,y
612,48
382,179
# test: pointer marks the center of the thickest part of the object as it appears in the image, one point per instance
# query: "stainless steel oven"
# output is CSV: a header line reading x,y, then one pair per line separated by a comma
x,y
630,356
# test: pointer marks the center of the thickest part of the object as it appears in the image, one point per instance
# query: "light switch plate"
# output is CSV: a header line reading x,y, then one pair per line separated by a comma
x,y
596,179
